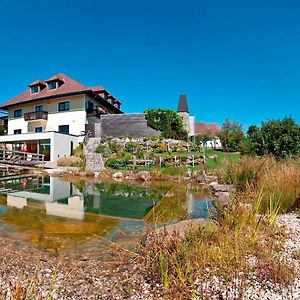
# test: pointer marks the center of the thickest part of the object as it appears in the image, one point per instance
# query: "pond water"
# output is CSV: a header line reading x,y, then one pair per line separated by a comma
x,y
54,213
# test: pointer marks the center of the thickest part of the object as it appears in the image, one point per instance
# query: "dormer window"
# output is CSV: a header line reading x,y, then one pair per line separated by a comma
x,y
35,89
37,86
52,85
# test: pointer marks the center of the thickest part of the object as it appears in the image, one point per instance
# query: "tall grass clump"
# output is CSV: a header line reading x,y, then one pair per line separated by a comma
x,y
220,257
272,180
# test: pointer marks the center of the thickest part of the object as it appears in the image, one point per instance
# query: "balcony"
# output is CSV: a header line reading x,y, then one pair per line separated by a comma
x,y
38,115
92,113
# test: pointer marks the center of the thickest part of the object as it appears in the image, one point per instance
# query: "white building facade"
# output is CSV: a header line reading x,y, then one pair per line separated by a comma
x,y
51,116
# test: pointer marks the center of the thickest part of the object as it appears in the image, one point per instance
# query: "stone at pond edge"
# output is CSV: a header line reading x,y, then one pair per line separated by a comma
x,y
117,175
181,228
223,198
143,176
216,187
207,179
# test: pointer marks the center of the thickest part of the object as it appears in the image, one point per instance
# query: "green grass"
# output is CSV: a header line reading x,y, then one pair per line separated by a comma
x,y
221,158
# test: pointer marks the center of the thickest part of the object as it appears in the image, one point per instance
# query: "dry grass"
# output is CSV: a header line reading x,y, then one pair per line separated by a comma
x,y
271,181
240,245
220,255
70,161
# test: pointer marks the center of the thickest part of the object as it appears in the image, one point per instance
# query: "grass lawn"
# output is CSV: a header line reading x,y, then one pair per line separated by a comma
x,y
221,158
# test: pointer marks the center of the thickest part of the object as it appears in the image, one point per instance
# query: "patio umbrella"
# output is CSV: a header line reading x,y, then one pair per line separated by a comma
x,y
24,147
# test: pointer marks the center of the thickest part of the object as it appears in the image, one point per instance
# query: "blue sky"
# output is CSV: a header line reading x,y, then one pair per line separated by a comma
x,y
235,59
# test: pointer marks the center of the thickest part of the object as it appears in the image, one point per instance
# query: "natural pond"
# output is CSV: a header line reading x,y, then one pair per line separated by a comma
x,y
54,213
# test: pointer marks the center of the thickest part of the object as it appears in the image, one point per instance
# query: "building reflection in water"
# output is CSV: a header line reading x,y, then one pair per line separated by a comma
x,y
56,196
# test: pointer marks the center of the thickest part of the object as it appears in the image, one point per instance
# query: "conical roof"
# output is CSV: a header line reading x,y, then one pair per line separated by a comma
x,y
182,104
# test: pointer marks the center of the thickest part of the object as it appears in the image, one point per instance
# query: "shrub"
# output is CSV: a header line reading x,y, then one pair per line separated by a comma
x,y
231,135
70,161
116,163
280,138
102,149
167,121
114,147
78,151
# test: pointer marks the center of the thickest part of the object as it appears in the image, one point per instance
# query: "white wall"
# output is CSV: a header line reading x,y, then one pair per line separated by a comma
x,y
192,126
60,143
74,209
214,144
75,117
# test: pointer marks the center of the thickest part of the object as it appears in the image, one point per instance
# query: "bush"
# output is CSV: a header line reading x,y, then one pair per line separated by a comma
x,y
167,121
116,163
70,161
231,135
114,147
102,149
78,151
280,138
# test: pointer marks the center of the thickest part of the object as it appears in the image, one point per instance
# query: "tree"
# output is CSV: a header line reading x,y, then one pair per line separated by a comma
x,y
231,135
278,137
256,141
167,121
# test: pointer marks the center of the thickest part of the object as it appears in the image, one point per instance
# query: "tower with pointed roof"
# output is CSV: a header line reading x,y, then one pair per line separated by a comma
x,y
183,111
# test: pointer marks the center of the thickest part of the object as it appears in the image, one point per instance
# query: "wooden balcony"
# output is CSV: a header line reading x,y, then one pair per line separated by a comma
x,y
92,113
38,115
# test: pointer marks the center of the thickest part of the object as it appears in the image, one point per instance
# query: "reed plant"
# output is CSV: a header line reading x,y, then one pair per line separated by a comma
x,y
273,181
220,256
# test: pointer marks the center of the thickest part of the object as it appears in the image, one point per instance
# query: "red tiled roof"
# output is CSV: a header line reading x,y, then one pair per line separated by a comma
x,y
37,82
69,86
96,88
202,128
56,77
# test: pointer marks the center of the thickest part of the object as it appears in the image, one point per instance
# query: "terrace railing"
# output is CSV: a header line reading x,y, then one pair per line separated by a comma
x,y
36,115
21,158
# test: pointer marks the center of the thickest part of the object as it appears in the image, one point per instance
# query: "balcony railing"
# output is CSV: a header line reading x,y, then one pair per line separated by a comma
x,y
38,115
92,113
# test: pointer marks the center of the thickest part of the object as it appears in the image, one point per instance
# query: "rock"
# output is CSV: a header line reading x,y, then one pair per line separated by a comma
x,y
143,176
210,179
117,175
55,172
223,198
216,187
97,174
182,227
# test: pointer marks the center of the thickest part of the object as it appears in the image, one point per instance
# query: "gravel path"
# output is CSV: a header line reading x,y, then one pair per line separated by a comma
x,y
99,271
291,254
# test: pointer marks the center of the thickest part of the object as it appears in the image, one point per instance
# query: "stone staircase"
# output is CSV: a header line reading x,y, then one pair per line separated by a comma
x,y
93,160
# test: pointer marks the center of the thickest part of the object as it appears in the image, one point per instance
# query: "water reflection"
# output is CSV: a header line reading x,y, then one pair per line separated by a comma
x,y
55,214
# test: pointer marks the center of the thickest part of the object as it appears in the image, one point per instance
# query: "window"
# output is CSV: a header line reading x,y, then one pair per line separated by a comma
x,y
52,85
63,129
35,89
17,113
17,131
38,129
39,108
64,106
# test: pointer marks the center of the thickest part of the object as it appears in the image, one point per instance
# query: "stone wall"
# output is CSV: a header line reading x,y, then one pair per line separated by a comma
x,y
123,125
